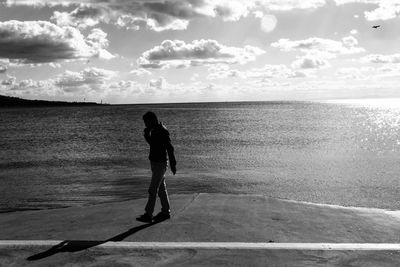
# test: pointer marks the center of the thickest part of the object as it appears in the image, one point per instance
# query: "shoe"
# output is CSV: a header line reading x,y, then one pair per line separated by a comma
x,y
161,217
145,218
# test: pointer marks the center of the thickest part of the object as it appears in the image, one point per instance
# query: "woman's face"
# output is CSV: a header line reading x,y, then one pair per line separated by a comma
x,y
149,124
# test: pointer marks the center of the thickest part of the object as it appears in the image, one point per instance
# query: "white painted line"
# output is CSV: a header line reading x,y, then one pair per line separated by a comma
x,y
213,245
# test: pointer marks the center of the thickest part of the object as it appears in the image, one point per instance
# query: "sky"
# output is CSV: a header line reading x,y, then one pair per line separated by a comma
x,y
156,51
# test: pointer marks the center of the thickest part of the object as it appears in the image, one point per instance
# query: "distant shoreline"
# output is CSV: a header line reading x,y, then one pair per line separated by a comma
x,y
9,101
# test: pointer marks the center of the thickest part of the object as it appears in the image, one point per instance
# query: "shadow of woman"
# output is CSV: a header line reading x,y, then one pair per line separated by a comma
x,y
78,245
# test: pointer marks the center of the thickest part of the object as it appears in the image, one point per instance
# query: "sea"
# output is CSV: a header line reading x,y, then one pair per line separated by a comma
x,y
333,152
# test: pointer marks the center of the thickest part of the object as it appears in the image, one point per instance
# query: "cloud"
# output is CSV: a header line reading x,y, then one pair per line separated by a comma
x,y
315,45
131,87
353,32
159,83
97,40
266,72
27,84
122,84
195,77
89,78
160,15
351,42
140,72
377,58
286,5
199,52
310,62
272,71
55,65
3,69
10,80
43,42
354,73
317,50
297,74
389,68
229,73
90,81
81,17
386,9
388,71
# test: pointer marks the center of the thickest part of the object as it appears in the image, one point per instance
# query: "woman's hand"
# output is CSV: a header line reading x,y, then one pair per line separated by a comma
x,y
173,168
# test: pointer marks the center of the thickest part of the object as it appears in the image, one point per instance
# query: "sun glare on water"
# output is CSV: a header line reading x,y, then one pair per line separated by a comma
x,y
380,103
380,118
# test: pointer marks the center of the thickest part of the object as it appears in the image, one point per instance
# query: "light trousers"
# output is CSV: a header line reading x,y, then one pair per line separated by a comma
x,y
158,187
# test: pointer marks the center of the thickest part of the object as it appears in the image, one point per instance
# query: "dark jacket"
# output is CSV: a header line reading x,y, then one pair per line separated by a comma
x,y
160,144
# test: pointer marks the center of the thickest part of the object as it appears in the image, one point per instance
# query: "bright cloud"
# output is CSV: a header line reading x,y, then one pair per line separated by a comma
x,y
159,83
353,32
3,69
89,78
318,50
126,88
386,9
81,17
377,58
310,62
268,71
10,80
354,73
273,71
27,85
225,73
199,52
42,41
314,45
140,72
285,5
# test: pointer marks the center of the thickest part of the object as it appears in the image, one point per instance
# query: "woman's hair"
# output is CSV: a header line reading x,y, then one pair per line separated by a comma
x,y
150,116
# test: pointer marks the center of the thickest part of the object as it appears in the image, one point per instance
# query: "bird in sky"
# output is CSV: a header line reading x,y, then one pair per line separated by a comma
x,y
376,26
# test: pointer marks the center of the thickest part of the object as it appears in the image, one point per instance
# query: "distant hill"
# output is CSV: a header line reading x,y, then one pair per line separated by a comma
x,y
8,101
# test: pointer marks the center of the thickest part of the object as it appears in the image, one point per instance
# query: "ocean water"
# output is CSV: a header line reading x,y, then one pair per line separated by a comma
x,y
345,153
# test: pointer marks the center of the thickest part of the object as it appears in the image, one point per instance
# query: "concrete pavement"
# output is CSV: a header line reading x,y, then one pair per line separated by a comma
x,y
201,218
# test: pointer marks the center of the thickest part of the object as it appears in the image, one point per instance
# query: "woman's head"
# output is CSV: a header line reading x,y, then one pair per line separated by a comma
x,y
150,119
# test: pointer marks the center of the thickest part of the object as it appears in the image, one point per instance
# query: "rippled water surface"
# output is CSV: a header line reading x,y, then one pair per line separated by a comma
x,y
337,153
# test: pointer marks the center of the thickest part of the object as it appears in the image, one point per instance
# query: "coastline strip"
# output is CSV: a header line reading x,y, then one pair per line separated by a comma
x,y
214,245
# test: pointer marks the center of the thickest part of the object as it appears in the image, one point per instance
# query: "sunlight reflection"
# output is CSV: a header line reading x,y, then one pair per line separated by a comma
x,y
381,103
381,119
